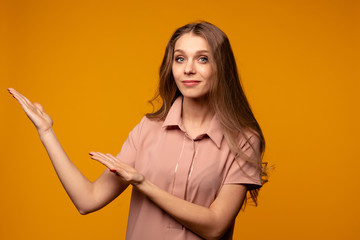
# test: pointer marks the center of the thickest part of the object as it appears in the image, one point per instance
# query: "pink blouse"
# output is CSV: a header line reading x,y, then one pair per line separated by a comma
x,y
191,169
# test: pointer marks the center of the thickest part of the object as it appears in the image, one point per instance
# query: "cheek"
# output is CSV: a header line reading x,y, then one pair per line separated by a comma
x,y
175,72
207,73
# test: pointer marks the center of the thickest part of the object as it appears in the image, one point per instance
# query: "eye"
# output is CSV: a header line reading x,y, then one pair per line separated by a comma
x,y
179,59
203,59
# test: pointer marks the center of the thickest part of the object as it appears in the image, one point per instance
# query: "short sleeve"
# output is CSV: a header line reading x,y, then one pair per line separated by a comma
x,y
129,148
243,171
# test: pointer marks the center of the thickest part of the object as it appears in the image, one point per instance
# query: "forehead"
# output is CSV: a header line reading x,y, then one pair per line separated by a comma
x,y
190,42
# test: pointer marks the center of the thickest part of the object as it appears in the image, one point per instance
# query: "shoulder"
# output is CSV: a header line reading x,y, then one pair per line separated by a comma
x,y
249,138
148,123
147,127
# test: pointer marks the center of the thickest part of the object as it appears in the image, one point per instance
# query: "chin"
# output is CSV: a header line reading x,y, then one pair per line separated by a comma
x,y
195,96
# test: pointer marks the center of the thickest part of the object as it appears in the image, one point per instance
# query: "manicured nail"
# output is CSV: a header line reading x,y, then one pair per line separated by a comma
x,y
112,170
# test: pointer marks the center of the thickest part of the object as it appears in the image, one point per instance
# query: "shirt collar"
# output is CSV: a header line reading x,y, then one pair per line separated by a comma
x,y
173,119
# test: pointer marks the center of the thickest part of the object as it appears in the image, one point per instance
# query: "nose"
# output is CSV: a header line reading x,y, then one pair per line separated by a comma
x,y
189,68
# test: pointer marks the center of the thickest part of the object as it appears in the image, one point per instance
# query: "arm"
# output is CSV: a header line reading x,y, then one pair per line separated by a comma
x,y
209,223
87,196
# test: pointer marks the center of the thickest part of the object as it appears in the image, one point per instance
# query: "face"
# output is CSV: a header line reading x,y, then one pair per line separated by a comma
x,y
193,66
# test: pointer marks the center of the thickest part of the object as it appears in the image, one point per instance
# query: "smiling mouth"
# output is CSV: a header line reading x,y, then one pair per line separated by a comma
x,y
190,82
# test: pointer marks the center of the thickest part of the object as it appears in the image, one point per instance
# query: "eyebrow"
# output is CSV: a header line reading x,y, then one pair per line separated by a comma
x,y
200,51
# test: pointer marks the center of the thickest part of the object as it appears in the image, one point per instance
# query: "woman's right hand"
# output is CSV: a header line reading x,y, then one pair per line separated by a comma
x,y
34,111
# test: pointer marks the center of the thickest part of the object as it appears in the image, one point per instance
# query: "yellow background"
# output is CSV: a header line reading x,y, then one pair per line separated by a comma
x,y
94,64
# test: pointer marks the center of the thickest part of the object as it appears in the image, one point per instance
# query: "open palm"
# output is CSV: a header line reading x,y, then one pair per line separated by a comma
x,y
127,173
34,111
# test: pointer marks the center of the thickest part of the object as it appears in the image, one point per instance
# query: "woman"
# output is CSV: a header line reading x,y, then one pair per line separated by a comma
x,y
192,162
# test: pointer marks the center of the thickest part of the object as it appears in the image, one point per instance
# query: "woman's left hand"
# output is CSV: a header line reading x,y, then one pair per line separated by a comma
x,y
124,171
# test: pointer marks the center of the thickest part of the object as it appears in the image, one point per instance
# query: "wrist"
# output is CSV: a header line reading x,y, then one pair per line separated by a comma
x,y
43,134
141,185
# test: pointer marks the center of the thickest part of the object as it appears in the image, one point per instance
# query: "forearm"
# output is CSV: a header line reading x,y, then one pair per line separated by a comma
x,y
201,220
208,222
77,186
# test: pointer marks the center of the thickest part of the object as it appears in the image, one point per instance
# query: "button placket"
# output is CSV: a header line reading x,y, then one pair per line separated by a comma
x,y
183,170
196,145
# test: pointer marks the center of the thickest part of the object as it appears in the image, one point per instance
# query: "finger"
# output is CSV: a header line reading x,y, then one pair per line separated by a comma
x,y
28,107
113,158
115,172
103,162
104,156
39,106
22,97
109,158
117,161
101,158
122,169
24,102
112,163
15,94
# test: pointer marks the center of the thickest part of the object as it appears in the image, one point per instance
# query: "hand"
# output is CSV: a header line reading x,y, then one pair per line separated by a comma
x,y
124,171
34,111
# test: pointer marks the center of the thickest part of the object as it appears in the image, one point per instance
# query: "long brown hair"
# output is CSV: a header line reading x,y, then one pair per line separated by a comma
x,y
226,96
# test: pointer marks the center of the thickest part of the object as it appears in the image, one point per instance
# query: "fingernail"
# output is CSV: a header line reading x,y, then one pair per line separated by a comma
x,y
112,170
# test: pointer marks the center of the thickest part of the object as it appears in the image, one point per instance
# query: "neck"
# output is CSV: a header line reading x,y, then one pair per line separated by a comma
x,y
196,113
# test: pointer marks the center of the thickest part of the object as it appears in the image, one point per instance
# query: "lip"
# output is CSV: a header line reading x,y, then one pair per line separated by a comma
x,y
190,83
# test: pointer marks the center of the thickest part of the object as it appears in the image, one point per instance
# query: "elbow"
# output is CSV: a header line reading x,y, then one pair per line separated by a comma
x,y
86,207
215,233
84,210
214,236
215,229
